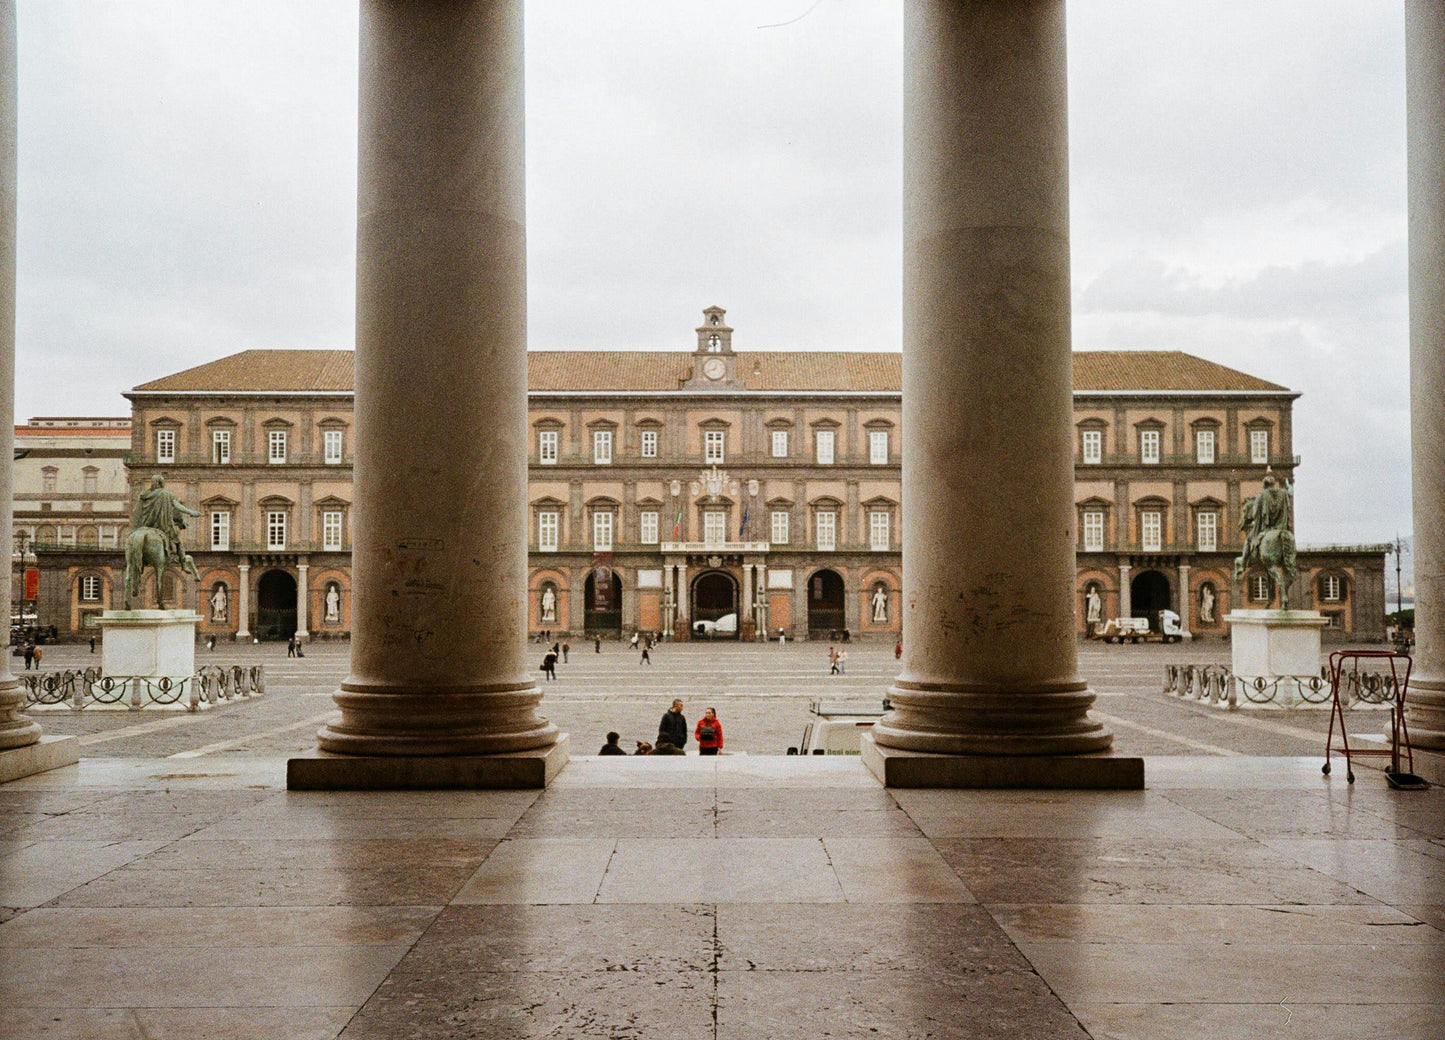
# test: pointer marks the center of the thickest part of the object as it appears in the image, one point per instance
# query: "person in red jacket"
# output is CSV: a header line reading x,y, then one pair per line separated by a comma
x,y
709,733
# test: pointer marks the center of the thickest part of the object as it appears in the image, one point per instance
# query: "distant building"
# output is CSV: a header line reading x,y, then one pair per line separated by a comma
x,y
672,488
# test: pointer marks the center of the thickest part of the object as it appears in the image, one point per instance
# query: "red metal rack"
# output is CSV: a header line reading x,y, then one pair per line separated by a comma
x,y
1399,734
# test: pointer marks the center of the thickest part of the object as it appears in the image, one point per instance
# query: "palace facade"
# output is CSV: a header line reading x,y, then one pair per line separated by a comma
x,y
757,492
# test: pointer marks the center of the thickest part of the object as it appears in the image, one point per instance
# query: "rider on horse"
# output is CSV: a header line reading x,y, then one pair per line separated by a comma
x,y
155,538
1268,541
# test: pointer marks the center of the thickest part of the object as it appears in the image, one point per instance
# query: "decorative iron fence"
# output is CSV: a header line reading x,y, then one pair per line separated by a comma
x,y
81,688
1216,684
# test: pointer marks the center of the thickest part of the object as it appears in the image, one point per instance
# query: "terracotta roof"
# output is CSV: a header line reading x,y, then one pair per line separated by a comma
x,y
581,371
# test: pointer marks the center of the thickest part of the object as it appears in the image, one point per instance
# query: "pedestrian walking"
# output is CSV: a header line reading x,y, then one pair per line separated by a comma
x,y
597,644
898,650
673,727
565,648
92,644
29,655
646,656
709,733
39,653
842,662
832,660
291,647
635,637
549,665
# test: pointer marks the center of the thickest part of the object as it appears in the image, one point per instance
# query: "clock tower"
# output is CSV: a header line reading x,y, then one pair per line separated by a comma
x,y
714,365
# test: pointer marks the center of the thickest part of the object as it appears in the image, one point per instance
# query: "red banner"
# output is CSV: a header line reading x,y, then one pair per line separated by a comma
x,y
32,583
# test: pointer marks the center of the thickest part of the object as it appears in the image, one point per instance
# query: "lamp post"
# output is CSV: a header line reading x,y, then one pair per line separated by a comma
x,y
23,537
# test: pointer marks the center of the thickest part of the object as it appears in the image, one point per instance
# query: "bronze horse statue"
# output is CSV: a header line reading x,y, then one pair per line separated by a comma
x,y
146,547
1266,546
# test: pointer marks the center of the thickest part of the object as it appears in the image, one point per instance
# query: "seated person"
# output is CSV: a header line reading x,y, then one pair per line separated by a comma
x,y
611,748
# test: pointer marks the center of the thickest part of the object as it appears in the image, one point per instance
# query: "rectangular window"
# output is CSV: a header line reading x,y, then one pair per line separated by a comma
x,y
1093,446
712,445
547,525
1093,531
780,444
602,530
166,446
1259,446
649,444
602,447
1149,446
825,447
547,447
878,533
48,479
275,446
1259,588
275,529
1151,531
647,527
779,527
88,482
877,447
825,524
331,530
331,440
1204,446
1208,532
221,447
221,530
714,526
1331,587
90,588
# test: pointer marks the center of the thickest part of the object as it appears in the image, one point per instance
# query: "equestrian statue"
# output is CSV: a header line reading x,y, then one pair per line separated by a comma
x,y
1268,540
155,541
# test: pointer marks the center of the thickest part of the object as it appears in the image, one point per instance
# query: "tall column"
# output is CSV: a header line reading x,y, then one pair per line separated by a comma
x,y
669,604
745,606
990,653
1126,590
438,651
243,603
303,600
1425,89
16,730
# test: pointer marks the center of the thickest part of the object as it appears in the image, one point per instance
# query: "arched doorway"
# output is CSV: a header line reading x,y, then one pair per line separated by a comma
x,y
602,607
1148,595
276,606
715,595
826,613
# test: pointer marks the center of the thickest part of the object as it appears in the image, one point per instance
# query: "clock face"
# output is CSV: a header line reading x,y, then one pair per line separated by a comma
x,y
714,368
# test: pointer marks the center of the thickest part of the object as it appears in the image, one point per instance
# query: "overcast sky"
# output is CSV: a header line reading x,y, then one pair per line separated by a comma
x,y
187,190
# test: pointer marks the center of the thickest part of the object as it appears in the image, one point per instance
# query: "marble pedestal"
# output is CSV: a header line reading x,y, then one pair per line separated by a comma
x,y
1273,645
152,644
517,770
46,753
1097,771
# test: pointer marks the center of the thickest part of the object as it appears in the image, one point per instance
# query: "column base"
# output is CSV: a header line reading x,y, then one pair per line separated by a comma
x,y
1100,771
469,721
517,770
1425,713
45,754
1046,721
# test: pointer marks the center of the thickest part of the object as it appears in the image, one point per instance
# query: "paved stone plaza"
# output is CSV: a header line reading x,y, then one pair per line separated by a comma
x,y
761,693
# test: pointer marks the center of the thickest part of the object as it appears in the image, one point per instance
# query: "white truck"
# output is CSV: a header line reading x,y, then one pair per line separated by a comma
x,y
727,625
836,726
1137,630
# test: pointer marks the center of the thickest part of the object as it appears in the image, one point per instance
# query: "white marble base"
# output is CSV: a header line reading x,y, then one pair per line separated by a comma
x,y
150,643
46,754
517,770
1271,644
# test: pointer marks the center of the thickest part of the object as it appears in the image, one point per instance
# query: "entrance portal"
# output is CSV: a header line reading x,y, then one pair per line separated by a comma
x,y
826,614
1148,595
602,606
276,606
714,596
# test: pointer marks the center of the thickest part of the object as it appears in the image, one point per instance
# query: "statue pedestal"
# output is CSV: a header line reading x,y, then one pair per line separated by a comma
x,y
1276,644
149,644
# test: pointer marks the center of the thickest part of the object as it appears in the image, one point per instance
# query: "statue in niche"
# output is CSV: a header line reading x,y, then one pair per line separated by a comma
x,y
1206,604
220,603
333,603
549,604
880,605
1093,606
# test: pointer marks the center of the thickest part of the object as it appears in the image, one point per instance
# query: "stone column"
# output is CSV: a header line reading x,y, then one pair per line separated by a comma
x,y
16,730
1425,88
439,638
1126,591
990,652
243,603
1185,601
303,600
745,606
669,604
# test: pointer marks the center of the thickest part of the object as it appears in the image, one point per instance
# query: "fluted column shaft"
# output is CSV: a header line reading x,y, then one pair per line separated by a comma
x,y
1425,89
990,660
439,564
15,729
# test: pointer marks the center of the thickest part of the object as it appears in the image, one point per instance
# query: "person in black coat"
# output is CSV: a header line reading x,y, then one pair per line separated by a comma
x,y
673,727
611,747
549,665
